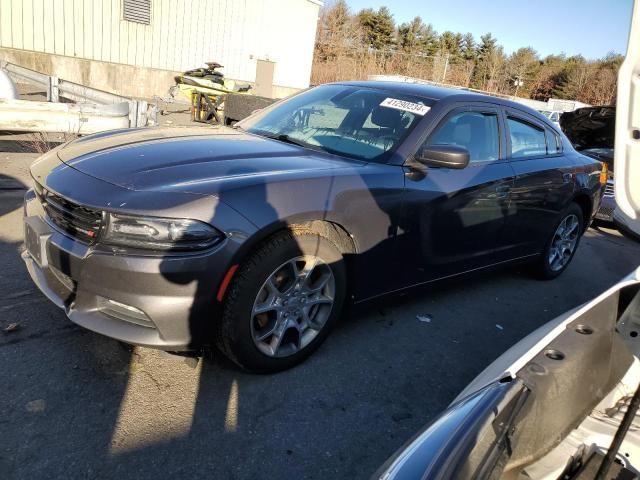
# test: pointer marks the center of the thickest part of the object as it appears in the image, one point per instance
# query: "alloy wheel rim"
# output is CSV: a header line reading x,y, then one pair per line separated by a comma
x,y
563,243
292,306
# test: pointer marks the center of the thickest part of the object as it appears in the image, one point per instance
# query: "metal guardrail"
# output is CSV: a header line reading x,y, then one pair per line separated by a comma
x,y
140,112
22,74
75,118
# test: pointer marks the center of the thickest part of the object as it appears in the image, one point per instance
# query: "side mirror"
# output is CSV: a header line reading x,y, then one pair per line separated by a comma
x,y
447,156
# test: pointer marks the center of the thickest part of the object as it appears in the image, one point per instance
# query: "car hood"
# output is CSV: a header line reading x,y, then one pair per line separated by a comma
x,y
197,160
590,127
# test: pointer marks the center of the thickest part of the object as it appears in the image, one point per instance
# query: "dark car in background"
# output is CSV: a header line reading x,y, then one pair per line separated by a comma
x,y
252,238
591,131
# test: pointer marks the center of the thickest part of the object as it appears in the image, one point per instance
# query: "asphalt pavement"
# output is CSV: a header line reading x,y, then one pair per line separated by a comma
x,y
74,404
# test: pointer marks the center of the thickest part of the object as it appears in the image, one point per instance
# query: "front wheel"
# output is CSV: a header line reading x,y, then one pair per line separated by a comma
x,y
283,302
561,247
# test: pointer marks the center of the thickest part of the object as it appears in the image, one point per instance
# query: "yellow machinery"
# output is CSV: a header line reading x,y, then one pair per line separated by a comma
x,y
206,88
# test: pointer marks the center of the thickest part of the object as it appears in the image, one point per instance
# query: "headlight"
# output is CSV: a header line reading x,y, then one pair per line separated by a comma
x,y
159,233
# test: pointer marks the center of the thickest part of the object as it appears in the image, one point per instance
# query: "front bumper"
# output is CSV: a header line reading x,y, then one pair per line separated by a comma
x,y
176,293
607,207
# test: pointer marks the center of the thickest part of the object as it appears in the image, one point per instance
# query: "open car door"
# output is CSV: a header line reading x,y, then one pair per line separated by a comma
x,y
627,142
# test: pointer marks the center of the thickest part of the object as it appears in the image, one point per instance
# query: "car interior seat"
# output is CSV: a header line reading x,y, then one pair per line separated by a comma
x,y
471,133
391,123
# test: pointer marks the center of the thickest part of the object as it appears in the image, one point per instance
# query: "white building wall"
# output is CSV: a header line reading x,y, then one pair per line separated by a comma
x,y
183,34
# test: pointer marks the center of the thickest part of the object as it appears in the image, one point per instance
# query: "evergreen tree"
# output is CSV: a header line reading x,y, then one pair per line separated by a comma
x,y
450,43
416,37
491,59
468,47
378,28
487,45
572,78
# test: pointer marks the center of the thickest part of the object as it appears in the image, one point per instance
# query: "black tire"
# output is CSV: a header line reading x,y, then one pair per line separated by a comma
x,y
234,335
542,266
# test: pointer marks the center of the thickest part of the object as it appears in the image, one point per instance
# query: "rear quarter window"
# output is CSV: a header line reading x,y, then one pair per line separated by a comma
x,y
553,143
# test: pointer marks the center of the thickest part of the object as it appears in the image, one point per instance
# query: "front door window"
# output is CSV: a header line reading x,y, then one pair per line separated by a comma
x,y
475,131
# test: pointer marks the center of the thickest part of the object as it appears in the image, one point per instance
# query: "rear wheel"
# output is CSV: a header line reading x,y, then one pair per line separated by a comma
x,y
561,247
283,302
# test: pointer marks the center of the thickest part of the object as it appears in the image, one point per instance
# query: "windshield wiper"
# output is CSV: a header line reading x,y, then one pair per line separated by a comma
x,y
293,141
283,137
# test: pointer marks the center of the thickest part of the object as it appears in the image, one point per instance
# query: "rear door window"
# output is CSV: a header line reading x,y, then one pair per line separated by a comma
x,y
553,143
475,131
527,140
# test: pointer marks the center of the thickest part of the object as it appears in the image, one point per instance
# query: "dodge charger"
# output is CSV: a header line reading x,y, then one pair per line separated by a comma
x,y
253,238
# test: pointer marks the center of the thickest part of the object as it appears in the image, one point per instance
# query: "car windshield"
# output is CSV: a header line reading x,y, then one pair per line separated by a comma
x,y
352,121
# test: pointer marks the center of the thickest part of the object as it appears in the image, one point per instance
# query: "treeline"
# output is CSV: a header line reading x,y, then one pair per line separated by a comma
x,y
352,46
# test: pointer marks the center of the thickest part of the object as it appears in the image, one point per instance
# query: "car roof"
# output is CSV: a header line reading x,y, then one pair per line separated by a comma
x,y
436,93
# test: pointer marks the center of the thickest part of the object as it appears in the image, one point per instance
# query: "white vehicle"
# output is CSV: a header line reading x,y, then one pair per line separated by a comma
x,y
7,88
626,224
552,115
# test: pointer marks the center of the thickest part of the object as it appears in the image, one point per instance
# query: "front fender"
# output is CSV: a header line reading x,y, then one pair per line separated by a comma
x,y
366,205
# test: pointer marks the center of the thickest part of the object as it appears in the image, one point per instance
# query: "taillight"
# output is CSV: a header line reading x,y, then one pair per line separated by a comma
x,y
604,174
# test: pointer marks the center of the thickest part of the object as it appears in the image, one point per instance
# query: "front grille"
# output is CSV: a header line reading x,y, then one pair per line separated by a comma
x,y
80,222
608,189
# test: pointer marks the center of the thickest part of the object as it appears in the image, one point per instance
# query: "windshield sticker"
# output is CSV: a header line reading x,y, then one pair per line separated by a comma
x,y
405,106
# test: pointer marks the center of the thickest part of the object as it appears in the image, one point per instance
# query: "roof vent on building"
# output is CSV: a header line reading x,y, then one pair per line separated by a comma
x,y
138,11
